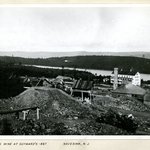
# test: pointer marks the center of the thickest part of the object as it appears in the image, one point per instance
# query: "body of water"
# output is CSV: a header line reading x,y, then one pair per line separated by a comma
x,y
97,72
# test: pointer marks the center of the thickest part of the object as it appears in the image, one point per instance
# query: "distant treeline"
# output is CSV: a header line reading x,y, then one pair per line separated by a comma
x,y
19,70
88,62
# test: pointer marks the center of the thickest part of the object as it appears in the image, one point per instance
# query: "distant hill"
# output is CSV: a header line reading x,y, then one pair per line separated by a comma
x,y
87,62
75,53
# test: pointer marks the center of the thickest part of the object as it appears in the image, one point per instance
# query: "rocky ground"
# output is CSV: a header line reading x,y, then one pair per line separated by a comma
x,y
60,114
123,102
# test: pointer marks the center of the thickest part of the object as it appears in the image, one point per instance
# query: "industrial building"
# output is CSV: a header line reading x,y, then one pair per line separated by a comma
x,y
125,77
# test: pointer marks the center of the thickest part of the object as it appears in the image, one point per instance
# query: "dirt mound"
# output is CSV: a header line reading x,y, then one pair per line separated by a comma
x,y
52,103
31,97
6,104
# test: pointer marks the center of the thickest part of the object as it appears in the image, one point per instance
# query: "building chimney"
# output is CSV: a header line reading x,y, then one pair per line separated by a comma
x,y
115,85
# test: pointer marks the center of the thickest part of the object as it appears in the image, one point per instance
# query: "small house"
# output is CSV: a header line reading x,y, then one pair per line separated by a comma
x,y
82,89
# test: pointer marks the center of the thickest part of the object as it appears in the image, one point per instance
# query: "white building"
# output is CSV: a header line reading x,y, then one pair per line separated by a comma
x,y
136,79
125,77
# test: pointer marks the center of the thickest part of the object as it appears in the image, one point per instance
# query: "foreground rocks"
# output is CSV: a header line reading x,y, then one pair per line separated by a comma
x,y
61,114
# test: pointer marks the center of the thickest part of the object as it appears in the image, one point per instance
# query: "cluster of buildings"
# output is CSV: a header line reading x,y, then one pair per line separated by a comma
x,y
122,83
76,88
58,82
129,84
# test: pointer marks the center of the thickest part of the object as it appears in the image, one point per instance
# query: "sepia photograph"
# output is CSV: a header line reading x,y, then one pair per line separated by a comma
x,y
80,70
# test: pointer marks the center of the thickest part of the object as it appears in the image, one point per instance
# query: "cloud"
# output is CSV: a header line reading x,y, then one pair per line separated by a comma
x,y
76,28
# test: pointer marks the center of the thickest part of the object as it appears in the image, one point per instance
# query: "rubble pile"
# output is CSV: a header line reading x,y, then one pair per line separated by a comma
x,y
121,121
31,127
124,102
95,128
60,114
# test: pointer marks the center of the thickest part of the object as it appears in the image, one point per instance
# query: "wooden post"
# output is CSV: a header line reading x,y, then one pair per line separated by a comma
x,y
71,91
24,115
90,95
82,95
38,113
55,85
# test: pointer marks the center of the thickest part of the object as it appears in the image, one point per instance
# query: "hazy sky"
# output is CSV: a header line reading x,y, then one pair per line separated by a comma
x,y
74,29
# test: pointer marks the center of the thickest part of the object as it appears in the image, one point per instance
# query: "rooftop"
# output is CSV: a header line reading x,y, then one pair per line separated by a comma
x,y
83,85
126,72
63,77
130,89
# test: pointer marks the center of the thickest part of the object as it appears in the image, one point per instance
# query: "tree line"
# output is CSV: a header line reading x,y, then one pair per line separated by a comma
x,y
141,65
